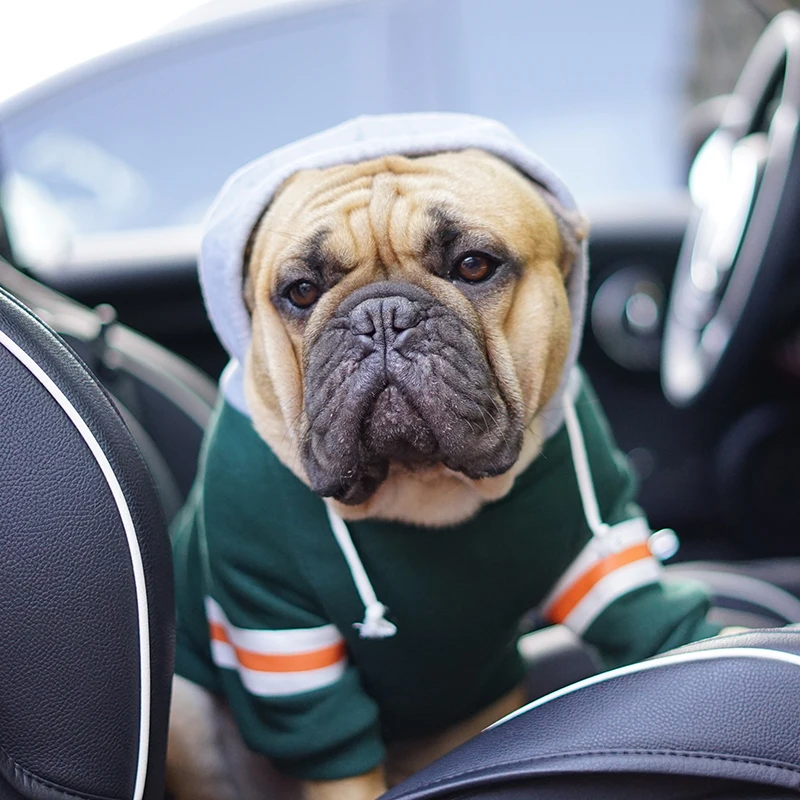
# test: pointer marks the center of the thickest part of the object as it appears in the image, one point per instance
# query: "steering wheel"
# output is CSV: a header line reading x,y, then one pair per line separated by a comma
x,y
743,237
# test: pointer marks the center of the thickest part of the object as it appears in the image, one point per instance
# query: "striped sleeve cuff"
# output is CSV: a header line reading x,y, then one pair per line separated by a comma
x,y
611,565
276,663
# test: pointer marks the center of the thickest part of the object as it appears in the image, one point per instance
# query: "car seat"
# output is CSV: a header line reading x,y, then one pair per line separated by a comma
x,y
717,719
86,607
165,401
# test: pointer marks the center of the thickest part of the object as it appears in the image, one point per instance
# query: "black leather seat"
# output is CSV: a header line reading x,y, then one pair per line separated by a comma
x,y
717,719
86,620
166,402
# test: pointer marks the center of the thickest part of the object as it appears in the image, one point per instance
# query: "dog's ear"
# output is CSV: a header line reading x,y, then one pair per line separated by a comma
x,y
573,228
248,289
248,284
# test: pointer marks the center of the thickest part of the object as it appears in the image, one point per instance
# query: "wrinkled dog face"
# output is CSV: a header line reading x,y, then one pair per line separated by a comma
x,y
411,383
409,319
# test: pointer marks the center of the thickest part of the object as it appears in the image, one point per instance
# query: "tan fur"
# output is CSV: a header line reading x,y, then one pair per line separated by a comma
x,y
377,215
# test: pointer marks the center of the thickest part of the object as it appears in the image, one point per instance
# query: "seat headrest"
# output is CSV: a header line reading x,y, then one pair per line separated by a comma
x,y
85,582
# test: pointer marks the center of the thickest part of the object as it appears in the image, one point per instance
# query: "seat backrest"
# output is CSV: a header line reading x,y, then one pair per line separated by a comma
x,y
165,401
719,718
86,619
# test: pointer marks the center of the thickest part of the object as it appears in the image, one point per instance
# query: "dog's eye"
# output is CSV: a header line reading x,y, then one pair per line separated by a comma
x,y
303,294
474,268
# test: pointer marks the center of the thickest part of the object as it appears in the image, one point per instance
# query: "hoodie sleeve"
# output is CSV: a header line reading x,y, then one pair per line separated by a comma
x,y
250,629
285,673
613,594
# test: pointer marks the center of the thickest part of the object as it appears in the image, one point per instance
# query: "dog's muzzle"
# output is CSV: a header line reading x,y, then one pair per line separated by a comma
x,y
395,376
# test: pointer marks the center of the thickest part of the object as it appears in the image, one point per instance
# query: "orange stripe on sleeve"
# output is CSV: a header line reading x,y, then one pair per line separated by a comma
x,y
218,632
560,609
294,662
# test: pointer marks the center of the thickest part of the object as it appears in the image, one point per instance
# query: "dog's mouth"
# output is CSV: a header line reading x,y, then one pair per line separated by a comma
x,y
395,377
396,431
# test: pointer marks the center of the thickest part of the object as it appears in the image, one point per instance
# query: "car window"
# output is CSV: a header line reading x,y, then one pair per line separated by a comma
x,y
595,88
150,143
599,90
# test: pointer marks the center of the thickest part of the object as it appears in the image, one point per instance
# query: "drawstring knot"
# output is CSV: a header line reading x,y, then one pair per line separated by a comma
x,y
375,624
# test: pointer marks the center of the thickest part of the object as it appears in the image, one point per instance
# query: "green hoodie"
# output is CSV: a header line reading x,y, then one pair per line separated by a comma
x,y
268,609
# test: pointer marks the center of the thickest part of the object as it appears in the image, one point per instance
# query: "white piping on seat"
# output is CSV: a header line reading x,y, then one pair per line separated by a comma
x,y
133,548
656,663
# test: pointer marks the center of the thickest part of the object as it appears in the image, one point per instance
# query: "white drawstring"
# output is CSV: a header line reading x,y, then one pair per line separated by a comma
x,y
663,544
577,444
375,624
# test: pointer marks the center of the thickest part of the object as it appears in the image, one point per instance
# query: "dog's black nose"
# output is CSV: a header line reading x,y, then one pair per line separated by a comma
x,y
385,317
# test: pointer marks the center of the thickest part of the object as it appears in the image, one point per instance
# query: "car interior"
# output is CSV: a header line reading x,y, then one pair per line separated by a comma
x,y
693,346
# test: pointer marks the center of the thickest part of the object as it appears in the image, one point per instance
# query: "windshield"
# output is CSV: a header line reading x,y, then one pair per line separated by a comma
x,y
599,90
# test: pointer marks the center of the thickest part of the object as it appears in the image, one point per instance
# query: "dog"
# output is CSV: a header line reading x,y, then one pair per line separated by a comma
x,y
404,419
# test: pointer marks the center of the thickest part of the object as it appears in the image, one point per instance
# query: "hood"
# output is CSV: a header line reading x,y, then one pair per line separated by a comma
x,y
249,191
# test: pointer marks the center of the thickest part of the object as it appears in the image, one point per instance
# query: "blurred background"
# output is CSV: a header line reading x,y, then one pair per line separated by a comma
x,y
615,95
